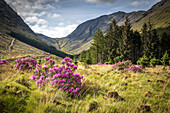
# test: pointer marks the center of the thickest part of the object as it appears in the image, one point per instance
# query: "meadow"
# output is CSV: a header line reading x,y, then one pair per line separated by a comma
x,y
106,90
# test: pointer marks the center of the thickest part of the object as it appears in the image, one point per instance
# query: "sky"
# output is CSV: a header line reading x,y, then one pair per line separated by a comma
x,y
58,18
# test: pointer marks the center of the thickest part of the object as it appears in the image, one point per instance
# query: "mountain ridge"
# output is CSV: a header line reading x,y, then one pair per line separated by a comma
x,y
83,34
12,24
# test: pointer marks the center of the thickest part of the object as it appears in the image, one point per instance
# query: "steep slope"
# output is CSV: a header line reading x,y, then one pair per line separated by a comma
x,y
11,23
159,15
80,39
17,48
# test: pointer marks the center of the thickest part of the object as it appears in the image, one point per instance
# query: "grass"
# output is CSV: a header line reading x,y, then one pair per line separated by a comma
x,y
151,87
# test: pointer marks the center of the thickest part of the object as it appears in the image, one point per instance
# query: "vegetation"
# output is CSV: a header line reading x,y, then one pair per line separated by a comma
x,y
122,43
105,90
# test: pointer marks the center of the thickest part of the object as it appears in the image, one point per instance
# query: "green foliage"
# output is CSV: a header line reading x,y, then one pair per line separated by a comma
x,y
75,62
154,62
144,61
110,61
118,58
165,59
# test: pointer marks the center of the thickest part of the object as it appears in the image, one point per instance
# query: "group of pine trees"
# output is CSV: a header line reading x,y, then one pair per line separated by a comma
x,y
122,43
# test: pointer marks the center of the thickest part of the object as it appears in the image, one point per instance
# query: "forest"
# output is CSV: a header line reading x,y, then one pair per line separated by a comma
x,y
122,43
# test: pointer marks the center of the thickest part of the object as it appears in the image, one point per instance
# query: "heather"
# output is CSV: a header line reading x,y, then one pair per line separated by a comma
x,y
57,85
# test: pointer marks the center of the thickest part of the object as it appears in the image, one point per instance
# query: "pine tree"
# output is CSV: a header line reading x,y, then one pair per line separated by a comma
x,y
126,49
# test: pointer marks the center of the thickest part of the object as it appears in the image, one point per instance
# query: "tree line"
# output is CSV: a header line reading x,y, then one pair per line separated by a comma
x,y
123,43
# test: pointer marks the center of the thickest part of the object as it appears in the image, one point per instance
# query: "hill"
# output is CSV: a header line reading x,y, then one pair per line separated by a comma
x,y
80,39
12,47
12,24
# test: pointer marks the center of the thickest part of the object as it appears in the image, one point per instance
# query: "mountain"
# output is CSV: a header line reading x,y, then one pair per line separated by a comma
x,y
12,24
80,39
14,48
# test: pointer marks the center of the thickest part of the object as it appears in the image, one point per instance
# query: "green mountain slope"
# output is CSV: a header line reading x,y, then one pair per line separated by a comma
x,y
159,15
12,24
14,48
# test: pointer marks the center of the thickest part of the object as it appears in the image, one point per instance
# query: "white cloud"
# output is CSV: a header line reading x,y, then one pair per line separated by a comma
x,y
101,1
139,3
28,7
54,32
35,20
56,15
61,24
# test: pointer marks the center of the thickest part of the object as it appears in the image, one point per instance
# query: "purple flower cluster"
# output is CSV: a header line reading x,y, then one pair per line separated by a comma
x,y
126,66
99,63
62,76
135,69
123,66
4,62
25,63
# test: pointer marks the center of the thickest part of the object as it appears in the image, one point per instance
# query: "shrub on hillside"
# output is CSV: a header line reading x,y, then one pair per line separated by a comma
x,y
154,62
122,66
118,58
110,61
2,62
126,66
165,59
25,63
62,76
144,61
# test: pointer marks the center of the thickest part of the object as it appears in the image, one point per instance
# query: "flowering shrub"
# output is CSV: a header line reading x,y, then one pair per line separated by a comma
x,y
123,66
25,63
126,66
99,63
135,69
4,62
62,76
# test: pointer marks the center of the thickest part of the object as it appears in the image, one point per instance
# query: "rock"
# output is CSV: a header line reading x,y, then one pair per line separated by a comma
x,y
124,84
109,84
161,81
115,95
56,102
144,108
93,105
7,86
147,94
149,81
101,75
126,76
158,96
19,92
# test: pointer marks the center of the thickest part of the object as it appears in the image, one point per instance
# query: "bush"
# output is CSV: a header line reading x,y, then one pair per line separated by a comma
x,y
135,69
75,62
154,62
63,76
99,63
88,61
111,62
122,66
25,63
118,58
144,61
126,66
165,59
2,62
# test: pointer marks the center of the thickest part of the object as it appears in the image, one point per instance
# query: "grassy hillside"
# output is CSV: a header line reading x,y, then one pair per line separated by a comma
x,y
18,48
159,16
106,91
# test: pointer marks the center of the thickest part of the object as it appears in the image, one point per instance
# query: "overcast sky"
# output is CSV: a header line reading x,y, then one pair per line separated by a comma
x,y
58,18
